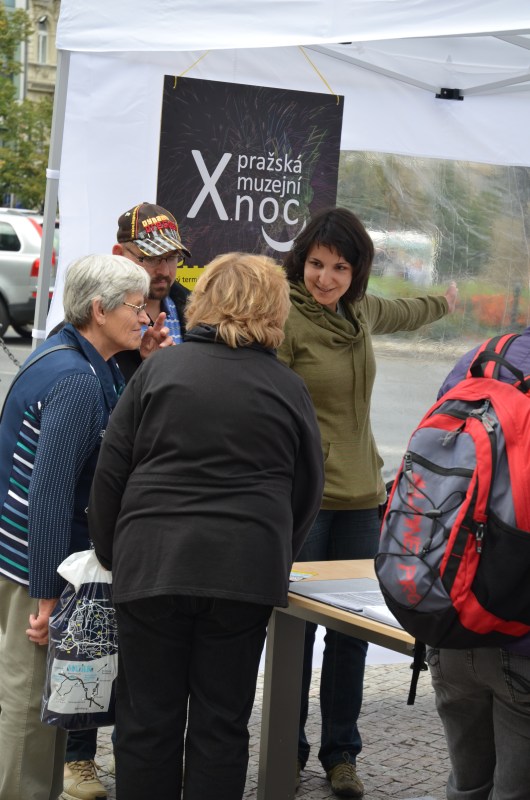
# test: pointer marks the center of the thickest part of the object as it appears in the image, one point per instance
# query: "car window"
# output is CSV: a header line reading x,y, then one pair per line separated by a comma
x,y
8,238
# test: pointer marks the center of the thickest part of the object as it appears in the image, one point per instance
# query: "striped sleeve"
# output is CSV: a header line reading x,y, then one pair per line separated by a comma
x,y
71,420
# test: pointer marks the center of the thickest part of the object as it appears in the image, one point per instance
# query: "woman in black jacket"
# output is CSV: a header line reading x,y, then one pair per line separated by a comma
x,y
209,478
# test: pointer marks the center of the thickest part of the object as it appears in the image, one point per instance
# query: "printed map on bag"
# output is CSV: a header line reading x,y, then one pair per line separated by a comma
x,y
91,630
85,659
81,686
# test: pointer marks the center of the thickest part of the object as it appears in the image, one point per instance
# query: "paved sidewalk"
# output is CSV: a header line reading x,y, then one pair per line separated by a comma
x,y
404,754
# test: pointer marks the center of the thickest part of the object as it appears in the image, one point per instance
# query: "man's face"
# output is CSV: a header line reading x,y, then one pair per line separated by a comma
x,y
161,269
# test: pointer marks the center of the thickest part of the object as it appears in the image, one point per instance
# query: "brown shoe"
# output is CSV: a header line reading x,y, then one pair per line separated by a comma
x,y
344,780
81,782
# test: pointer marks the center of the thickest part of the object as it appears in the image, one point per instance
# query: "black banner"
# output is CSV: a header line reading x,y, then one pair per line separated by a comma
x,y
244,167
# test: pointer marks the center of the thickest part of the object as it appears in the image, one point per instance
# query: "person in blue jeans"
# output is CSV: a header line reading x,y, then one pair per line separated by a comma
x,y
328,343
80,775
335,536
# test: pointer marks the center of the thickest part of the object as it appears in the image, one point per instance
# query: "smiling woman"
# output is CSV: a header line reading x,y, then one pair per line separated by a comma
x,y
327,275
328,343
52,426
112,318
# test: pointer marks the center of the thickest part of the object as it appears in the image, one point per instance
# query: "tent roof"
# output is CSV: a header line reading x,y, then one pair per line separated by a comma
x,y
476,47
390,59
473,64
172,25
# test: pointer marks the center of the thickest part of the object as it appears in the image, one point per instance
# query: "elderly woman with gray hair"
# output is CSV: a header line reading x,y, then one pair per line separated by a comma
x,y
209,478
52,425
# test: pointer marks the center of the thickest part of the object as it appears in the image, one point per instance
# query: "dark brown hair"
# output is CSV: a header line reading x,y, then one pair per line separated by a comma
x,y
341,230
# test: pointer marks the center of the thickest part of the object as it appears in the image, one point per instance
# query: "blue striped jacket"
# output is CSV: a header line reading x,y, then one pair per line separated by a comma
x,y
52,425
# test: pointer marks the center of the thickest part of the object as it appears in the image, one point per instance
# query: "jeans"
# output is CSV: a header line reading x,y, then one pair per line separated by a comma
x,y
191,660
82,745
337,535
483,699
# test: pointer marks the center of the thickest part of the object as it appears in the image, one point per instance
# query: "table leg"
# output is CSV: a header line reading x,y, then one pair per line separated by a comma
x,y
281,707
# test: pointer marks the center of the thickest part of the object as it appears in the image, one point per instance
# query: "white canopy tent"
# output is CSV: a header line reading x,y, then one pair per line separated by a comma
x,y
388,58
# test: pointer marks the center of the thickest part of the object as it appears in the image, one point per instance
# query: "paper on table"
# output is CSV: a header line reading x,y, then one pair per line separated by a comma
x,y
383,614
368,603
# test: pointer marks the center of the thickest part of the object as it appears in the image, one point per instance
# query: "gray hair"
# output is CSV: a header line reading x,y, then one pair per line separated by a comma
x,y
104,277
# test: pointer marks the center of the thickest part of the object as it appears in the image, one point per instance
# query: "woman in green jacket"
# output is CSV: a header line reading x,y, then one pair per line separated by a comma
x,y
328,343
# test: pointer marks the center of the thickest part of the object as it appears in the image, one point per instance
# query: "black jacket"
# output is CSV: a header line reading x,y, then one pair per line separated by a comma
x,y
209,477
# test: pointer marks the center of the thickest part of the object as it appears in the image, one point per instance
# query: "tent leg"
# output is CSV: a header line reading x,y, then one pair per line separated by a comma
x,y
50,200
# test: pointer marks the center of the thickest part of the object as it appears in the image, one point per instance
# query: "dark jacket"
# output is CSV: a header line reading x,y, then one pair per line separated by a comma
x,y
52,426
209,477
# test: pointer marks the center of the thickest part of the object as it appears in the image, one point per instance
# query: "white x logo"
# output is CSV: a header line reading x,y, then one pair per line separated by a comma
x,y
209,185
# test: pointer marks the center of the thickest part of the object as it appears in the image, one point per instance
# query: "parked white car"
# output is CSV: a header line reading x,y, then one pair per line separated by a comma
x,y
20,243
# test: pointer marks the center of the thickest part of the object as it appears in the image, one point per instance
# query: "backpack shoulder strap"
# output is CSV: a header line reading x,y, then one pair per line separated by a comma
x,y
483,362
34,361
418,665
490,357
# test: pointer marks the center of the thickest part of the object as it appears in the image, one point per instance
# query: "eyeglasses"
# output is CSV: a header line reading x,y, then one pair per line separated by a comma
x,y
150,262
156,261
138,309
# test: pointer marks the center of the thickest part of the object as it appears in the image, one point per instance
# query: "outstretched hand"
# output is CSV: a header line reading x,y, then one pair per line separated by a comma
x,y
156,337
451,296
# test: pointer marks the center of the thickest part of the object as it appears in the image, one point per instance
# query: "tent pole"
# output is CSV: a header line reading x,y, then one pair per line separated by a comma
x,y
50,200
358,62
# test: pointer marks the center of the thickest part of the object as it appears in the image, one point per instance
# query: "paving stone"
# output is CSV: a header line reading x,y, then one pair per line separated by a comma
x,y
404,755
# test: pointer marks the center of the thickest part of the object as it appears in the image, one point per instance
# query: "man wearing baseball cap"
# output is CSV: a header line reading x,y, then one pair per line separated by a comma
x,y
148,235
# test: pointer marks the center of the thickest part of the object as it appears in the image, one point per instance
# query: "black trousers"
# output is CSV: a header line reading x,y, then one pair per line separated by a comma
x,y
185,661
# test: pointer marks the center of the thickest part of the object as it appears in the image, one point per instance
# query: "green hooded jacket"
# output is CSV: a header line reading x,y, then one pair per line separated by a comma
x,y
334,355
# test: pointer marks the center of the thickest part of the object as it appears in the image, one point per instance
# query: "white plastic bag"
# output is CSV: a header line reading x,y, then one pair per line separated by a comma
x,y
82,663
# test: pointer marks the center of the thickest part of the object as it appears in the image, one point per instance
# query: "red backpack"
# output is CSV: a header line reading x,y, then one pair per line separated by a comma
x,y
454,554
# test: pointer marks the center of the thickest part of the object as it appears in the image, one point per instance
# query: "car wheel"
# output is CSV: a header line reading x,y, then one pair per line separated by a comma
x,y
4,318
23,330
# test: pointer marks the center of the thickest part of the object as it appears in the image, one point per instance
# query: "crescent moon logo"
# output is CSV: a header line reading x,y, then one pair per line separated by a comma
x,y
281,247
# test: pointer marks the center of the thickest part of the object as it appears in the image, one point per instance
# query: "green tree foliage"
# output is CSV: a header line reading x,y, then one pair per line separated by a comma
x,y
460,215
388,192
454,203
24,125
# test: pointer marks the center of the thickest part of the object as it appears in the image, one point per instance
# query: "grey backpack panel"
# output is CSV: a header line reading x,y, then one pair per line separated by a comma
x,y
454,554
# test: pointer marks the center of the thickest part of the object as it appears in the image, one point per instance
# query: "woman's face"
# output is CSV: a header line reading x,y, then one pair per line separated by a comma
x,y
327,275
123,325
